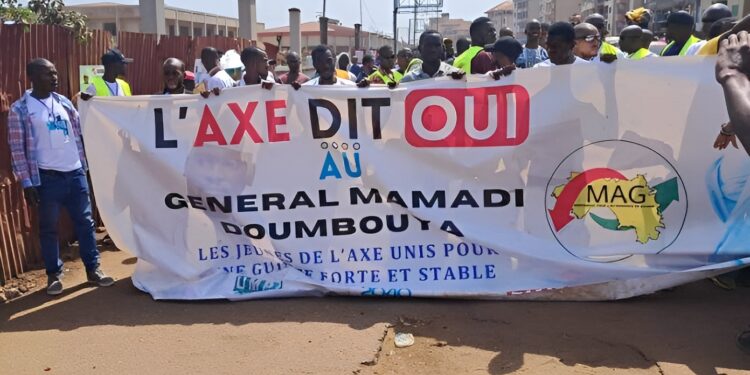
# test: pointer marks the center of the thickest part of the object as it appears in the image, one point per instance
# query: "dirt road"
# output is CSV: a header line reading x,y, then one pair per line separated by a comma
x,y
120,330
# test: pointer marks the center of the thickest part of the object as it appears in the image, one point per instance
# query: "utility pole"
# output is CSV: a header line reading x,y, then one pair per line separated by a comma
x,y
395,25
324,8
414,30
419,8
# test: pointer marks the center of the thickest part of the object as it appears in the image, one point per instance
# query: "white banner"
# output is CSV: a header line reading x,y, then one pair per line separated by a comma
x,y
590,182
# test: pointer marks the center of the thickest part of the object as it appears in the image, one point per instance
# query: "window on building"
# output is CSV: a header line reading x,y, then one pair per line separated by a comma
x,y
209,31
111,27
171,30
184,31
197,31
221,32
231,33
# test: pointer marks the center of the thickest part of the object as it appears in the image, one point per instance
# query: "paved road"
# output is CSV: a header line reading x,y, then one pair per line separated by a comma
x,y
120,330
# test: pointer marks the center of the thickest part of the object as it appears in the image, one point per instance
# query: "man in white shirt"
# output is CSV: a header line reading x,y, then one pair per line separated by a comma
x,y
325,66
560,43
587,41
257,70
217,78
44,133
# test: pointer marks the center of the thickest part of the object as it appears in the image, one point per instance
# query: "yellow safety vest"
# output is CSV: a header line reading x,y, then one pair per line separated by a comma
x,y
640,54
413,64
692,40
608,49
103,90
385,78
463,61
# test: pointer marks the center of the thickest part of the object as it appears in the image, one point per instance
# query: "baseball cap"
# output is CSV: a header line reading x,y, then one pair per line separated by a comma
x,y
114,56
507,45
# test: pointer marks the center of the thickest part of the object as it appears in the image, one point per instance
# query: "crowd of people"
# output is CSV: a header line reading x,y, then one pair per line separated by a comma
x,y
44,130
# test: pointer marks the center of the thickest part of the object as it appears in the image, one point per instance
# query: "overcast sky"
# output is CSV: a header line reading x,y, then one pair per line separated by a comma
x,y
377,15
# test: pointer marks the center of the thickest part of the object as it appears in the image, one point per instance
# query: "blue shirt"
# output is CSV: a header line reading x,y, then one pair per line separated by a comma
x,y
530,57
355,69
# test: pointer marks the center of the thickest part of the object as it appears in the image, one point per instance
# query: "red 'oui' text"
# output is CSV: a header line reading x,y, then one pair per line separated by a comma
x,y
478,117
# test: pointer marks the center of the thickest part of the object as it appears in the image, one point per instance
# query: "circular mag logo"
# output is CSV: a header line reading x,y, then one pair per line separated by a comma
x,y
611,199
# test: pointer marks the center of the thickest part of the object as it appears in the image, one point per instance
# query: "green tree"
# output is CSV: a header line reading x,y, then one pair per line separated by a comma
x,y
12,11
46,12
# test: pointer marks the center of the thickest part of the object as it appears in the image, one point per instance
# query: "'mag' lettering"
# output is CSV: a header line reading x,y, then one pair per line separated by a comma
x,y
478,117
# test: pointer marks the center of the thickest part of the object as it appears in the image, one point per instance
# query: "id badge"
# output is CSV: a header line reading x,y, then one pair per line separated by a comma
x,y
58,133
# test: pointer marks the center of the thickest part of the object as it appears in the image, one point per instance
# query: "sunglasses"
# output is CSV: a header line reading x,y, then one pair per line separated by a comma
x,y
591,38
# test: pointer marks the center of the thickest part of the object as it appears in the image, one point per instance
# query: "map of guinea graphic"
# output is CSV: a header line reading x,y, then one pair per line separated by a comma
x,y
633,203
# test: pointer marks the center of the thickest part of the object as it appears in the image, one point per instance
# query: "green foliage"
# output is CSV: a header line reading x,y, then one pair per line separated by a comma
x,y
12,11
46,12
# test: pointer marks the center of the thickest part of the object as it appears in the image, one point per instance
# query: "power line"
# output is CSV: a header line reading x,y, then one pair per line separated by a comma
x,y
369,16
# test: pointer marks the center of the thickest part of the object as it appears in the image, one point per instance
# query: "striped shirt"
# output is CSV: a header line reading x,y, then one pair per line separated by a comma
x,y
21,139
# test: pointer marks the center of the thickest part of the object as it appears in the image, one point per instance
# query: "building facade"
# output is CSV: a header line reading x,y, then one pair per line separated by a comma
x,y
115,17
502,15
558,10
452,28
340,38
525,11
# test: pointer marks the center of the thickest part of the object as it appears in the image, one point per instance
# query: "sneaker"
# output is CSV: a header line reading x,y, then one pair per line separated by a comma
x,y
98,277
54,285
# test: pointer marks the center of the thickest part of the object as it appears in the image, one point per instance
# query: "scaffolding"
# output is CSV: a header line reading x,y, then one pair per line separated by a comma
x,y
422,11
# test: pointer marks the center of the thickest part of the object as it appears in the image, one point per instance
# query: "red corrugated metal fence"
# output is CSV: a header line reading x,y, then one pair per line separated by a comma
x,y
19,243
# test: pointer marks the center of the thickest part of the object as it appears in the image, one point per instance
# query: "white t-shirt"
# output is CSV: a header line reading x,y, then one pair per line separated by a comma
x,y
221,79
693,50
339,82
114,89
549,62
54,139
269,78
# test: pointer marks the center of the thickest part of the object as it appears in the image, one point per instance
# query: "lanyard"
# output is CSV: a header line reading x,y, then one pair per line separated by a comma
x,y
117,89
50,110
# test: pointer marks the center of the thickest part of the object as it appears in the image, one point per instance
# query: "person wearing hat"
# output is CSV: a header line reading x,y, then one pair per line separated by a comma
x,y
431,49
110,84
640,17
504,52
680,31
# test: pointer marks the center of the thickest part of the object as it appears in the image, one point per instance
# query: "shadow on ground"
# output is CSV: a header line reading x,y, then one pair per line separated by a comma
x,y
694,325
